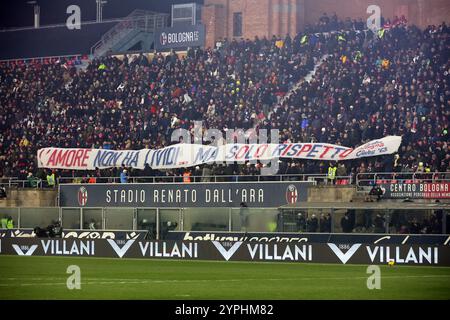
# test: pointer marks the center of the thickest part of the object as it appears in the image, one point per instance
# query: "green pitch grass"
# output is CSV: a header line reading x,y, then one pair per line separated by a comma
x,y
45,278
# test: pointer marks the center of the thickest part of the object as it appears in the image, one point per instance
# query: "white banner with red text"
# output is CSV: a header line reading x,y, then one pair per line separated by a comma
x,y
188,155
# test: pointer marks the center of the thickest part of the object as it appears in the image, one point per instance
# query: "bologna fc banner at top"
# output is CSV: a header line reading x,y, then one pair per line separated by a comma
x,y
180,37
188,155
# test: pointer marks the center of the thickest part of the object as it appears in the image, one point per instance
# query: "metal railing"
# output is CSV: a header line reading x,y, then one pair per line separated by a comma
x,y
43,58
373,178
361,179
14,182
315,178
138,20
61,25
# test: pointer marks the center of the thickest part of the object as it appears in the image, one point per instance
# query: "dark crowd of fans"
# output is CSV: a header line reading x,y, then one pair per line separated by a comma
x,y
367,221
368,86
401,222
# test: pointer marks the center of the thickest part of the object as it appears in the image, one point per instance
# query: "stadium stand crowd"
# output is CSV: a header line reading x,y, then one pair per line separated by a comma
x,y
370,85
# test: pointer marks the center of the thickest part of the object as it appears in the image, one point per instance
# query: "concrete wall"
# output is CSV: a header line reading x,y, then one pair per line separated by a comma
x,y
418,12
262,18
281,17
213,17
29,198
331,193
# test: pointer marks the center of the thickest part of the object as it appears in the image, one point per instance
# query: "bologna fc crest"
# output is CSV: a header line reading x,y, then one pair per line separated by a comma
x,y
82,196
163,38
291,194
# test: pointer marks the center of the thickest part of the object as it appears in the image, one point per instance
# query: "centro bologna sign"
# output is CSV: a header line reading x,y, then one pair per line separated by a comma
x,y
180,37
183,195
423,190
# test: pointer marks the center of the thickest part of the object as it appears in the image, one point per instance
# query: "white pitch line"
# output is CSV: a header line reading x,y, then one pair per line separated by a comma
x,y
406,239
140,281
446,241
303,264
64,278
382,238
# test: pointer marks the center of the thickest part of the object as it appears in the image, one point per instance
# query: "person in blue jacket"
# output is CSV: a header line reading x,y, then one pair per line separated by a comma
x,y
124,176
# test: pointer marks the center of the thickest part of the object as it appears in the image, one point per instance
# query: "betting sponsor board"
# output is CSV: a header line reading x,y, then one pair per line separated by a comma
x,y
278,237
78,234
